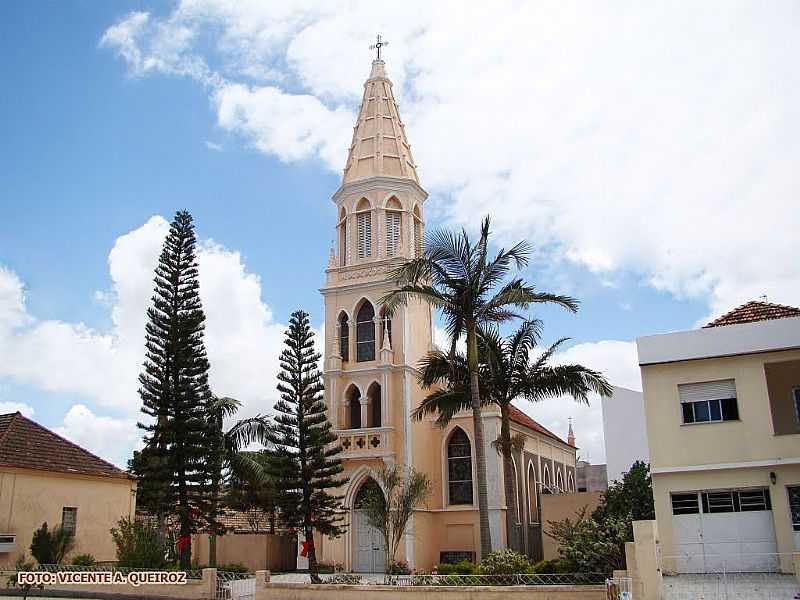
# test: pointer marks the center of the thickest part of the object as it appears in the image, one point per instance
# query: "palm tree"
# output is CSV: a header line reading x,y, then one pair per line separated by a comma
x,y
470,289
509,370
228,455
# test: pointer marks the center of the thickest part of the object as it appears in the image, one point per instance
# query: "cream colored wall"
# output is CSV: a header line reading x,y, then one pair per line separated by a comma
x,y
663,484
558,507
256,551
29,498
751,438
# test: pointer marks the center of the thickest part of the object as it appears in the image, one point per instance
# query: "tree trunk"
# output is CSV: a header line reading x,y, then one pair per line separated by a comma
x,y
313,567
212,550
480,450
512,530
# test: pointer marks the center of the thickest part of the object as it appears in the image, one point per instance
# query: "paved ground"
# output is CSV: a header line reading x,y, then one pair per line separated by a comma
x,y
739,586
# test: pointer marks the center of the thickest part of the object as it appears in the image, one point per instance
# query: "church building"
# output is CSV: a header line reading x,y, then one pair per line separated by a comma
x,y
370,372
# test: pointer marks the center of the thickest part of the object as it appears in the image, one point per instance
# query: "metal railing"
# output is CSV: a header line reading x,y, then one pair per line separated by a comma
x,y
519,579
619,588
235,586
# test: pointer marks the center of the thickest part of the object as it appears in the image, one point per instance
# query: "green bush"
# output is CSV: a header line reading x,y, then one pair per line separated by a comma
x,y
399,568
504,562
51,547
464,567
233,568
22,565
84,560
550,566
139,545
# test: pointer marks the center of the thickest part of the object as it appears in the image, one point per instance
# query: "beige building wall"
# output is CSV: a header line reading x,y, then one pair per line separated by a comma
x,y
29,498
564,506
723,455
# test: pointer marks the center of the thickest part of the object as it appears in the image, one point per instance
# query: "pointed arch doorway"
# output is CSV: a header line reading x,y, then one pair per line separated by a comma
x,y
369,547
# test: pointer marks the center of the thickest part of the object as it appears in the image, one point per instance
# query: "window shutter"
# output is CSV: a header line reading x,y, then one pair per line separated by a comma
x,y
364,235
392,232
708,390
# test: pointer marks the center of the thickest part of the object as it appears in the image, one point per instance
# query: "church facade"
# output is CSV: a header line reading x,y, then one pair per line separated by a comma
x,y
370,371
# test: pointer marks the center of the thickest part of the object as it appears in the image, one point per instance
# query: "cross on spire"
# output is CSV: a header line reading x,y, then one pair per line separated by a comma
x,y
379,43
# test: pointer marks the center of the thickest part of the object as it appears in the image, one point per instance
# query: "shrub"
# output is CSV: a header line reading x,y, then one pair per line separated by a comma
x,y
22,565
504,562
344,579
139,545
84,560
550,566
464,567
233,568
591,546
399,568
325,567
50,547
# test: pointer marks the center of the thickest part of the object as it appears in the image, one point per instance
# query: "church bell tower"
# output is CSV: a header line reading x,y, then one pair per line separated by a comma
x,y
370,383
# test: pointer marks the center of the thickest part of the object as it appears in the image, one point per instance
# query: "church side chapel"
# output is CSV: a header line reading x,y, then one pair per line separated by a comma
x,y
371,386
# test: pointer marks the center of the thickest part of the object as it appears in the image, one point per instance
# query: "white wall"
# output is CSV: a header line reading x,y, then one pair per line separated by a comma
x,y
624,430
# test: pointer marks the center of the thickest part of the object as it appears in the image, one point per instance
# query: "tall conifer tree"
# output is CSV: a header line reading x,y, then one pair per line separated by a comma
x,y
306,465
174,390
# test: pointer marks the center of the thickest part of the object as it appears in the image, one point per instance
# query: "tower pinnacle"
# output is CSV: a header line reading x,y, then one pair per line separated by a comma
x,y
570,434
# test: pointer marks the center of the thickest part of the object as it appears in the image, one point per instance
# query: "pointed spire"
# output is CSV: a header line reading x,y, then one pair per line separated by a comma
x,y
570,434
379,147
332,257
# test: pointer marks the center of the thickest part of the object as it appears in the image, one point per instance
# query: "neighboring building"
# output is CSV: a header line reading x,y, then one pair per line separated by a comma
x,y
722,406
624,431
591,478
370,368
45,478
565,506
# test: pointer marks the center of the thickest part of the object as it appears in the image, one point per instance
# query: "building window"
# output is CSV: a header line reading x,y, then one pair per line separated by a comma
x,y
365,333
794,505
69,520
796,394
708,402
374,406
722,501
393,227
571,483
364,221
459,468
344,336
354,408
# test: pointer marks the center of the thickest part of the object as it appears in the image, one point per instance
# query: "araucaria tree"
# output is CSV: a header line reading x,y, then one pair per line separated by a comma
x,y
305,464
175,392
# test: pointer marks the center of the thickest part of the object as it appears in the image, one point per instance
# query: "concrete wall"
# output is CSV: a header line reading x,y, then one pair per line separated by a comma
x,y
591,478
29,498
624,431
563,506
256,551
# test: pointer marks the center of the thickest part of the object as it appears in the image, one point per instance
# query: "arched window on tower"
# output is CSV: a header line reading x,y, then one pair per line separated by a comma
x,y
344,336
418,235
546,483
365,333
459,468
559,481
342,230
374,406
393,226
353,408
517,498
364,224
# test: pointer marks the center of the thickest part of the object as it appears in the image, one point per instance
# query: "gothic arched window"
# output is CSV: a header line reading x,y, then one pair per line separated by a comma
x,y
393,226
365,333
344,336
342,227
559,481
364,225
418,236
374,406
459,468
533,513
354,408
517,498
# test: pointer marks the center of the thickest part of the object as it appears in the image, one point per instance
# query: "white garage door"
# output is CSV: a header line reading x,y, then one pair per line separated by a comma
x,y
731,531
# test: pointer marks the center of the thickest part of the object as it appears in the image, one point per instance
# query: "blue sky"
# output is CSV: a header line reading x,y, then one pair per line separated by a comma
x,y
610,164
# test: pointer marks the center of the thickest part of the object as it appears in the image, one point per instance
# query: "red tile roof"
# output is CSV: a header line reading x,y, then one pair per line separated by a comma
x,y
755,311
25,444
519,417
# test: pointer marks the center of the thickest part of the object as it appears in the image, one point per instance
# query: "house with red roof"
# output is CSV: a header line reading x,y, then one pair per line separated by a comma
x,y
45,478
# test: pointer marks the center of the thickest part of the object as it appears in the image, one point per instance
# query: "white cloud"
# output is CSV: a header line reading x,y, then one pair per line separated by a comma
x,y
642,138
213,146
12,407
109,438
617,360
243,339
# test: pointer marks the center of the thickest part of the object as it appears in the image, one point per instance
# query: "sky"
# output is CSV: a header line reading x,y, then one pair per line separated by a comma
x,y
648,151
